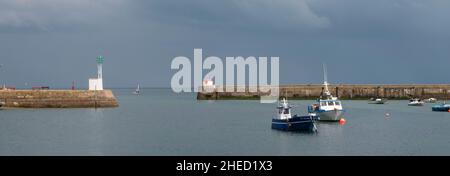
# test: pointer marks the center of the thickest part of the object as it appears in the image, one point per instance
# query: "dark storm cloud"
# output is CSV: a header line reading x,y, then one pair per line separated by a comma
x,y
353,18
44,15
385,41
236,13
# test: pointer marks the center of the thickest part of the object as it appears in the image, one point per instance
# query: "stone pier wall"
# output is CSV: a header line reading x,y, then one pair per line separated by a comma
x,y
343,91
57,99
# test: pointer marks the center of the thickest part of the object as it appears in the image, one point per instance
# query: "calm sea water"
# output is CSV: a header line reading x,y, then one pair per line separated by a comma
x,y
159,122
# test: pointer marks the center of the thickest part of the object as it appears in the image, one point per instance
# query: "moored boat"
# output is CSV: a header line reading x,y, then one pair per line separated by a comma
x,y
138,90
430,100
328,107
288,122
442,107
416,102
377,101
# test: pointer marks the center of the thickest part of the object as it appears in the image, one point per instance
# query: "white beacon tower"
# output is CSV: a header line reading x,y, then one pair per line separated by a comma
x,y
97,83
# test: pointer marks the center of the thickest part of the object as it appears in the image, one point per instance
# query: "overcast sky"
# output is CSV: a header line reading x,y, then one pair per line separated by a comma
x,y
55,42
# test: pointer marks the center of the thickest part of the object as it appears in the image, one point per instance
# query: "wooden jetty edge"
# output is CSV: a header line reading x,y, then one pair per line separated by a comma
x,y
343,91
58,98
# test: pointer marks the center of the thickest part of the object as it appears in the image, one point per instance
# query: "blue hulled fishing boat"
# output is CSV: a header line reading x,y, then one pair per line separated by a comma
x,y
285,121
442,107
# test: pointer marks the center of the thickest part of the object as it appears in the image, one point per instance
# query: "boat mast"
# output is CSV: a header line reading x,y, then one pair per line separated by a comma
x,y
325,80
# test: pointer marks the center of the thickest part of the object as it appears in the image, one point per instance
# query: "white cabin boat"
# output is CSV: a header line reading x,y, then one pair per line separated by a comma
x,y
377,101
430,100
328,107
416,102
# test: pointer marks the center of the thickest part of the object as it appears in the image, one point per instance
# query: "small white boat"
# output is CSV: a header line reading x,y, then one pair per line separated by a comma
x,y
138,90
377,101
416,102
430,100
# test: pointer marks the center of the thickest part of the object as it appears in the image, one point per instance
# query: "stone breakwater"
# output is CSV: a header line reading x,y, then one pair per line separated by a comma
x,y
343,91
57,99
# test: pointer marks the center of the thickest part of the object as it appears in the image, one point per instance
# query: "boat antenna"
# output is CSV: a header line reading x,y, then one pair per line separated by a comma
x,y
325,78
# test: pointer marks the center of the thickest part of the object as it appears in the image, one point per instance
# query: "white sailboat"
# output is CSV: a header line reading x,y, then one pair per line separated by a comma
x,y
138,90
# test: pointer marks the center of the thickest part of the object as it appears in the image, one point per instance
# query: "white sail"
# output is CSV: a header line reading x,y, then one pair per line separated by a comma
x,y
138,90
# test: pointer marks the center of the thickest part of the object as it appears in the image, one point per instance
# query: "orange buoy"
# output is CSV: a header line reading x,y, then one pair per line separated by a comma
x,y
342,121
449,110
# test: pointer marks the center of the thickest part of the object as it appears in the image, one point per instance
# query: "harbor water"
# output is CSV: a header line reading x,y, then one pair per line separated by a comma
x,y
160,122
